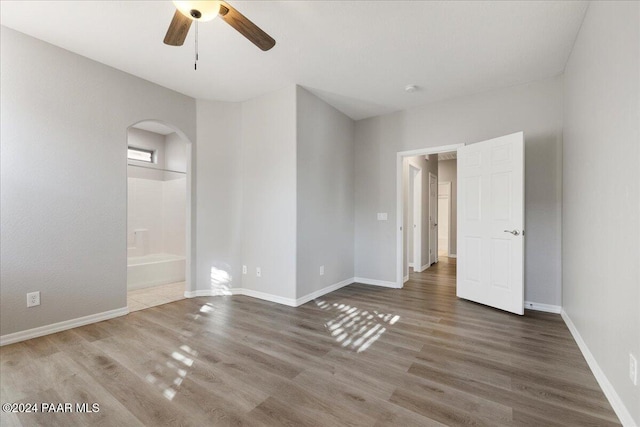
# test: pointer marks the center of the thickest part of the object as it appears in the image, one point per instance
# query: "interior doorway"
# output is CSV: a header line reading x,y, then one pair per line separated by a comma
x,y
433,218
158,229
489,223
414,241
426,231
444,218
447,204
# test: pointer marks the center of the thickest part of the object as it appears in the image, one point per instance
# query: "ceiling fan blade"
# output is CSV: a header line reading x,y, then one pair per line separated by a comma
x,y
245,27
178,29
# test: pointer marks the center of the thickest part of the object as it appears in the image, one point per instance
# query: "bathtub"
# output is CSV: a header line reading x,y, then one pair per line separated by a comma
x,y
154,269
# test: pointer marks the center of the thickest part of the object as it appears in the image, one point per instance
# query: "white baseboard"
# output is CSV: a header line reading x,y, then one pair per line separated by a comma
x,y
242,291
313,295
375,282
424,267
452,256
201,293
265,296
405,279
270,297
614,399
542,307
61,326
410,264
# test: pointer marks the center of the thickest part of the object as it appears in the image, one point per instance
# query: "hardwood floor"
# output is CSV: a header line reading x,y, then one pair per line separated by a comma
x,y
362,356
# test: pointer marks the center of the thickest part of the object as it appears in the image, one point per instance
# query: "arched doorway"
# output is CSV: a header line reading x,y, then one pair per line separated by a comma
x,y
158,214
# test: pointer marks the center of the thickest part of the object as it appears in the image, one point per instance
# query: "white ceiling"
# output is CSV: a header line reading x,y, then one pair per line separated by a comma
x,y
357,55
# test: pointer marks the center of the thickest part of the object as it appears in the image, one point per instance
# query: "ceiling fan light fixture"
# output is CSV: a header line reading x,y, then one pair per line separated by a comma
x,y
199,10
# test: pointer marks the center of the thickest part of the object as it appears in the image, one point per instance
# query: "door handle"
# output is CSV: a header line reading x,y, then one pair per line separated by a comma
x,y
514,232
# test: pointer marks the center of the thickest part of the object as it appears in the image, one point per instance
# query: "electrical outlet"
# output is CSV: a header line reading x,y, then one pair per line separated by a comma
x,y
322,270
258,272
33,299
633,369
244,269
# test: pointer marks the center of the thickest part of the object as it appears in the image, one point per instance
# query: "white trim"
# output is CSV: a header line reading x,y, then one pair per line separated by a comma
x,y
430,150
313,295
201,293
376,282
61,326
405,279
410,264
452,256
537,306
614,399
265,296
424,267
241,291
270,297
399,211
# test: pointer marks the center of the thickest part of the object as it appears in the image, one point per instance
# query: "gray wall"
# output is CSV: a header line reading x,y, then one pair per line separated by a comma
x,y
601,187
63,178
534,108
325,194
219,195
269,192
448,171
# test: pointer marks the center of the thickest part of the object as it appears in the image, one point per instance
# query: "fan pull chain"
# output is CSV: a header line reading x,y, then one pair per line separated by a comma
x,y
195,64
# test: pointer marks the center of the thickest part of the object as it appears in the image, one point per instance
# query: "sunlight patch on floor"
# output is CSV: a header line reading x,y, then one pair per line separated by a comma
x,y
354,328
161,375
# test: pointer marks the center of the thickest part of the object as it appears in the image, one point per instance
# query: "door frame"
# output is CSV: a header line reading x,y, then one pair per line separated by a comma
x,y
399,208
448,184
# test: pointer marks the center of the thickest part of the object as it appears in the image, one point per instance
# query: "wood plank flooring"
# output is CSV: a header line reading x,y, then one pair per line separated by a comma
x,y
360,356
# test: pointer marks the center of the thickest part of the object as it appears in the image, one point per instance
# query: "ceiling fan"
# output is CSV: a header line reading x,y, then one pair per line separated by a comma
x,y
202,11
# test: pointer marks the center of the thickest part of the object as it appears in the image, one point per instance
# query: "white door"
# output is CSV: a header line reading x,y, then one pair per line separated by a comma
x,y
490,223
433,218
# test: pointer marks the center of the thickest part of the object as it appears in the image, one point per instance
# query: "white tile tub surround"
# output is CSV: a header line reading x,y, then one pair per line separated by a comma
x,y
159,207
144,212
154,269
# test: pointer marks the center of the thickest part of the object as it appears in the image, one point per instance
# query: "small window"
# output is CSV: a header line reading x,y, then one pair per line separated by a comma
x,y
140,154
